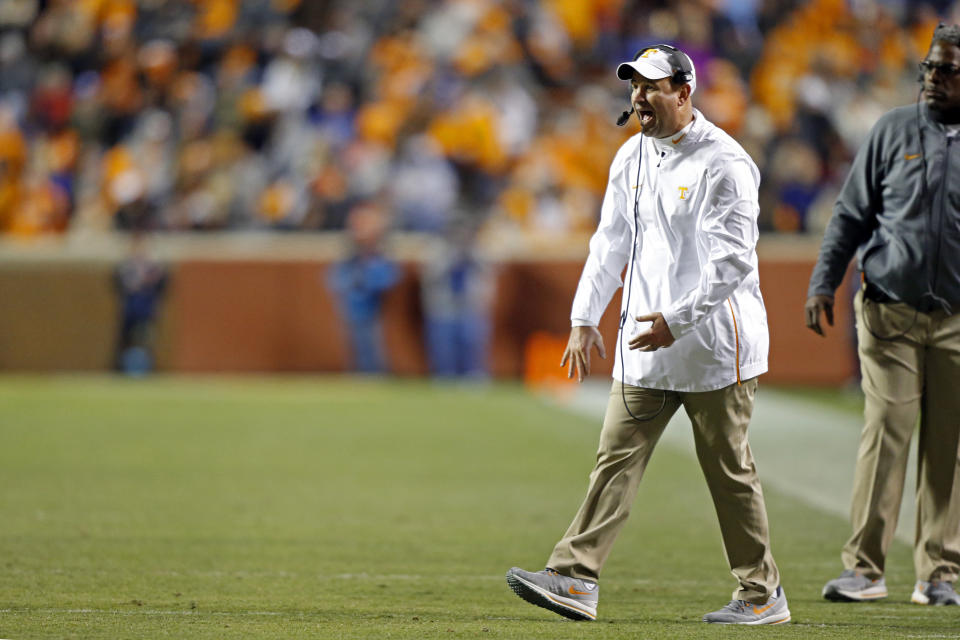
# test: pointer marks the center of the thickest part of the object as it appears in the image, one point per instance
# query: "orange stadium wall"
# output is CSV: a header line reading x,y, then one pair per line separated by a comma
x,y
64,316
230,315
56,317
278,316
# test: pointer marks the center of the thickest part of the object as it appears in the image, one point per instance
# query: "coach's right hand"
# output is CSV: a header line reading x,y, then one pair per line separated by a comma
x,y
578,350
812,309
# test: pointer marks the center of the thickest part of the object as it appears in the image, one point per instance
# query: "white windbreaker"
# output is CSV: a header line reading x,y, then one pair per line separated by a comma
x,y
695,260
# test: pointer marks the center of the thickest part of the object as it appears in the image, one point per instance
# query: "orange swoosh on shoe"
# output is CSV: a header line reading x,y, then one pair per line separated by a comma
x,y
574,592
762,609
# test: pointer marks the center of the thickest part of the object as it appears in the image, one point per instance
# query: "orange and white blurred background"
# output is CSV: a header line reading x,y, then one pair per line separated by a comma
x,y
252,146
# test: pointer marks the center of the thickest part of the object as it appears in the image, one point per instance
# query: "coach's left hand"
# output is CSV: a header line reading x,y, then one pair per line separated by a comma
x,y
657,336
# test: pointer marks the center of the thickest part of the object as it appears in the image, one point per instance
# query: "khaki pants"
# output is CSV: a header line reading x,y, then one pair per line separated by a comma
x,y
720,420
917,371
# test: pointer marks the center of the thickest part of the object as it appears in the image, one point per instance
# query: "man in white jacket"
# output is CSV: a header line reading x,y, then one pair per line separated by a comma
x,y
680,215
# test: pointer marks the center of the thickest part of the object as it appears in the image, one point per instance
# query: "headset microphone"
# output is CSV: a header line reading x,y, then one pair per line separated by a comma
x,y
622,120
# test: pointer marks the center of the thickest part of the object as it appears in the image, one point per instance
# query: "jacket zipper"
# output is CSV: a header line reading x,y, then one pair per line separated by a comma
x,y
736,336
935,266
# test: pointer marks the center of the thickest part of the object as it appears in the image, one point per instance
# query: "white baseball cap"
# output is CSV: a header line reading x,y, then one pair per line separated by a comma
x,y
659,61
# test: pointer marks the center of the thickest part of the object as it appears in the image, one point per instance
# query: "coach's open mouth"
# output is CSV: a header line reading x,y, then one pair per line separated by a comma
x,y
647,116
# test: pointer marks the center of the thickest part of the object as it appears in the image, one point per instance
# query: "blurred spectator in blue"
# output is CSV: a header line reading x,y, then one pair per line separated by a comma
x,y
17,67
424,186
457,292
140,281
794,175
335,114
360,283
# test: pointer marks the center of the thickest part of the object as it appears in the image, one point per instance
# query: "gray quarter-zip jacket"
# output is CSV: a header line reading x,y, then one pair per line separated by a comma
x,y
899,210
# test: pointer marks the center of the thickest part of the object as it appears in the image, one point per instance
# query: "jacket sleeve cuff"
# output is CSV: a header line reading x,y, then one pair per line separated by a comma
x,y
581,322
820,290
678,328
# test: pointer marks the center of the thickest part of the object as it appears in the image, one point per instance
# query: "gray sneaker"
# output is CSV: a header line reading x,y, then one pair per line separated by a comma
x,y
935,592
853,586
570,597
773,611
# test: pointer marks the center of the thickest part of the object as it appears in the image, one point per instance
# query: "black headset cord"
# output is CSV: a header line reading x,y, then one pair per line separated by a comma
x,y
626,308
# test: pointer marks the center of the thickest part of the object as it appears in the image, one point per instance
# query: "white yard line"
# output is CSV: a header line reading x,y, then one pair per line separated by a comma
x,y
803,449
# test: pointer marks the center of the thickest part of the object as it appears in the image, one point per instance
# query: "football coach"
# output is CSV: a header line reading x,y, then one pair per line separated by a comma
x,y
680,216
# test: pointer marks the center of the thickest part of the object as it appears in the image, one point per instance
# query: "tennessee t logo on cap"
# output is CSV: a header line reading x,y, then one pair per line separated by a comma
x,y
661,61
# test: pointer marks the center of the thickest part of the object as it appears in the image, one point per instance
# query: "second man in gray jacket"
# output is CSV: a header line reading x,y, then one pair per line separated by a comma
x,y
899,211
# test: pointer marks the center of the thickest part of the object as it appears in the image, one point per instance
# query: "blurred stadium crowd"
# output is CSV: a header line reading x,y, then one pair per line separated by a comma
x,y
287,114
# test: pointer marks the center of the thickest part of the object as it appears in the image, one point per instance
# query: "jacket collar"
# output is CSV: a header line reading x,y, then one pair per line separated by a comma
x,y
928,119
682,139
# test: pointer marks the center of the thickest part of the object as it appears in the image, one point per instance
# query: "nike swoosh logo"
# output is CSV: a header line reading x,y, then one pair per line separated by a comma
x,y
762,609
574,592
911,156
676,140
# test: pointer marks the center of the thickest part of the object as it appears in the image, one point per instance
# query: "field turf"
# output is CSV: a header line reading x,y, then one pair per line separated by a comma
x,y
342,508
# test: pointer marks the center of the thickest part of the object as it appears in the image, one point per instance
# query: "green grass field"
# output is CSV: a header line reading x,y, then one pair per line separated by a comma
x,y
338,508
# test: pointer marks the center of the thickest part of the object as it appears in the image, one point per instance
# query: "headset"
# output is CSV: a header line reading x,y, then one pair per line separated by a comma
x,y
679,62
